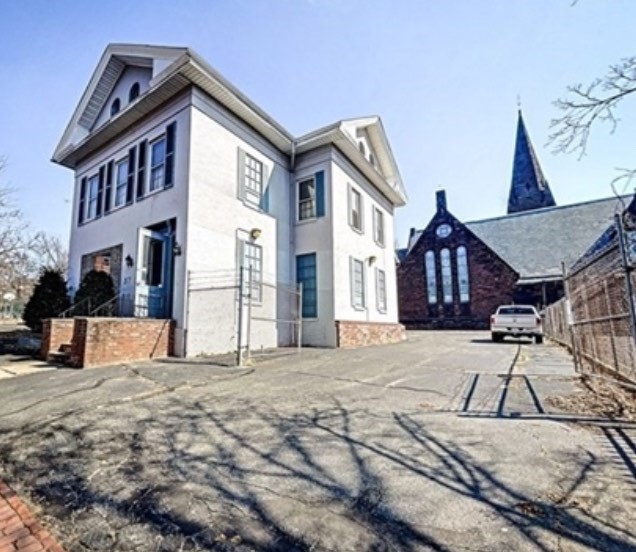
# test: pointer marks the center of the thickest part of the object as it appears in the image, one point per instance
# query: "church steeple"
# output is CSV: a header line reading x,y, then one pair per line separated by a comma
x,y
529,188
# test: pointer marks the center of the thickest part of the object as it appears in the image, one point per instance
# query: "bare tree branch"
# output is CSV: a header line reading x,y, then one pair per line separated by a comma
x,y
587,105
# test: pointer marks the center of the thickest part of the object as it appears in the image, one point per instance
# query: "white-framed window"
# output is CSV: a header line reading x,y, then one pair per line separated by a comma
x,y
253,180
431,277
447,276
157,164
358,295
121,182
380,286
378,226
115,107
307,199
133,93
462,275
253,268
93,192
355,209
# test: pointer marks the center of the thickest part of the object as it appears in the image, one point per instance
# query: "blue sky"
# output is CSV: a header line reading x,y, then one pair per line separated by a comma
x,y
444,76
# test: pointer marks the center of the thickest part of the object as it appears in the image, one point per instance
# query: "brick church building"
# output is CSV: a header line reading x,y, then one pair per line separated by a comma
x,y
454,274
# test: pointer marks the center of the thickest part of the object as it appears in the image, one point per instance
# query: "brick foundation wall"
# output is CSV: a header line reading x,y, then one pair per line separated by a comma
x,y
358,334
55,332
100,341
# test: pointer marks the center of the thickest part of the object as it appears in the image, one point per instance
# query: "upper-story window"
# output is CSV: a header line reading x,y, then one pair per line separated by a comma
x,y
378,226
157,164
121,182
93,192
134,92
115,107
355,209
307,199
253,180
447,276
462,275
431,278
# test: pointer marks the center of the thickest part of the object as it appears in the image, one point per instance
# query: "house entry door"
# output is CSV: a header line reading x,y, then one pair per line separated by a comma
x,y
152,274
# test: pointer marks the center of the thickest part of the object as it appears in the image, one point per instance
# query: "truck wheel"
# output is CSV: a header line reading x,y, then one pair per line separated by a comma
x,y
497,337
538,339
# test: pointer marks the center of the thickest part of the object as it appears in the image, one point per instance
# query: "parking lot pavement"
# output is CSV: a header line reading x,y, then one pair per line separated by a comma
x,y
445,442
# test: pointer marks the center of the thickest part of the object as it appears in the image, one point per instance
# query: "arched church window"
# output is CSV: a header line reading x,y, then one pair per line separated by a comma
x,y
134,92
115,107
447,276
462,274
431,278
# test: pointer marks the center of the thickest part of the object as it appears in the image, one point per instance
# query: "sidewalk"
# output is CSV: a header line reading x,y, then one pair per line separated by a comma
x,y
19,530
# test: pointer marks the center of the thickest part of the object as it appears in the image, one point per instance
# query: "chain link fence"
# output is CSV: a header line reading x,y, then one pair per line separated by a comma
x,y
594,320
237,316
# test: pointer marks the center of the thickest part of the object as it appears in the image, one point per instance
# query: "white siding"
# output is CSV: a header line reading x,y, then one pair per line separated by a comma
x,y
347,243
218,219
121,226
315,236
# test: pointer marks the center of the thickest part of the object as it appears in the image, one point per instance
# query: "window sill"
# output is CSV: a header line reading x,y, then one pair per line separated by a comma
x,y
306,221
357,230
379,244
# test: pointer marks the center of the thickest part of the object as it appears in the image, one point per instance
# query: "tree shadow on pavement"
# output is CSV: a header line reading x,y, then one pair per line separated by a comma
x,y
182,472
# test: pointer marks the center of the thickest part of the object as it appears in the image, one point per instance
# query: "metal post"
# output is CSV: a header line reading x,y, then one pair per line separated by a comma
x,y
608,306
569,317
239,343
628,276
248,329
300,316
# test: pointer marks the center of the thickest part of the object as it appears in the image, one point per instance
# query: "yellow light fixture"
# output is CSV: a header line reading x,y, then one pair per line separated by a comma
x,y
255,233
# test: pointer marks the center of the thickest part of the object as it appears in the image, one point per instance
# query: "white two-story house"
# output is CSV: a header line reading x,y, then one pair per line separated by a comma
x,y
180,180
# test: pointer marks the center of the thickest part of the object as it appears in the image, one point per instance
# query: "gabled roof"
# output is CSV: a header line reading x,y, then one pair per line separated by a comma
x,y
535,243
529,188
110,67
343,135
175,69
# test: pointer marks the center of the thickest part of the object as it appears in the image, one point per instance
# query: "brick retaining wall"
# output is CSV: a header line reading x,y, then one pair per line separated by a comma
x,y
358,334
55,332
100,341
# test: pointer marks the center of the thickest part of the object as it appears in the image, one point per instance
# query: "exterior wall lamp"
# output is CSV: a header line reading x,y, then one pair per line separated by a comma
x,y
372,259
176,249
129,261
255,233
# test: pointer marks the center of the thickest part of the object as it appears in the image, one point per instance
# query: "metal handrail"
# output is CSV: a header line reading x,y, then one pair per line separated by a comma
x,y
64,313
105,304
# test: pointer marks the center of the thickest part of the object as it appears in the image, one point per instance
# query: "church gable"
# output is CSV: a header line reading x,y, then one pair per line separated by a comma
x,y
450,278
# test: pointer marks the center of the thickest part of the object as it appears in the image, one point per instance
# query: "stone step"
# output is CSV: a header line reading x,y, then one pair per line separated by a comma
x,y
59,357
65,348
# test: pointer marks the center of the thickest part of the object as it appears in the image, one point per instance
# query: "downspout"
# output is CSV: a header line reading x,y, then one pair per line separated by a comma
x,y
292,217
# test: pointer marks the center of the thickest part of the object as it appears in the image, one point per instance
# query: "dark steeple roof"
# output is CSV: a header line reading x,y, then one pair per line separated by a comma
x,y
529,189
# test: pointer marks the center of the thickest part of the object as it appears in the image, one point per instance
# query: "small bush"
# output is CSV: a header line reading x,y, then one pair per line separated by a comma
x,y
98,287
49,299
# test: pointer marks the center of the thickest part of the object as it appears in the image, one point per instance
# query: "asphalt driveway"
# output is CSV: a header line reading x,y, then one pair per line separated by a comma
x,y
445,442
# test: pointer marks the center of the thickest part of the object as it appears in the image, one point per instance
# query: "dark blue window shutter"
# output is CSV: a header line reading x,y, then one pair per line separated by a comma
x,y
109,186
170,143
130,186
82,202
141,169
100,191
320,193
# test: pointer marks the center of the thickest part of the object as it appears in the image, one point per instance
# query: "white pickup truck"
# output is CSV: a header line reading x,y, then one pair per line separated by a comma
x,y
516,321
